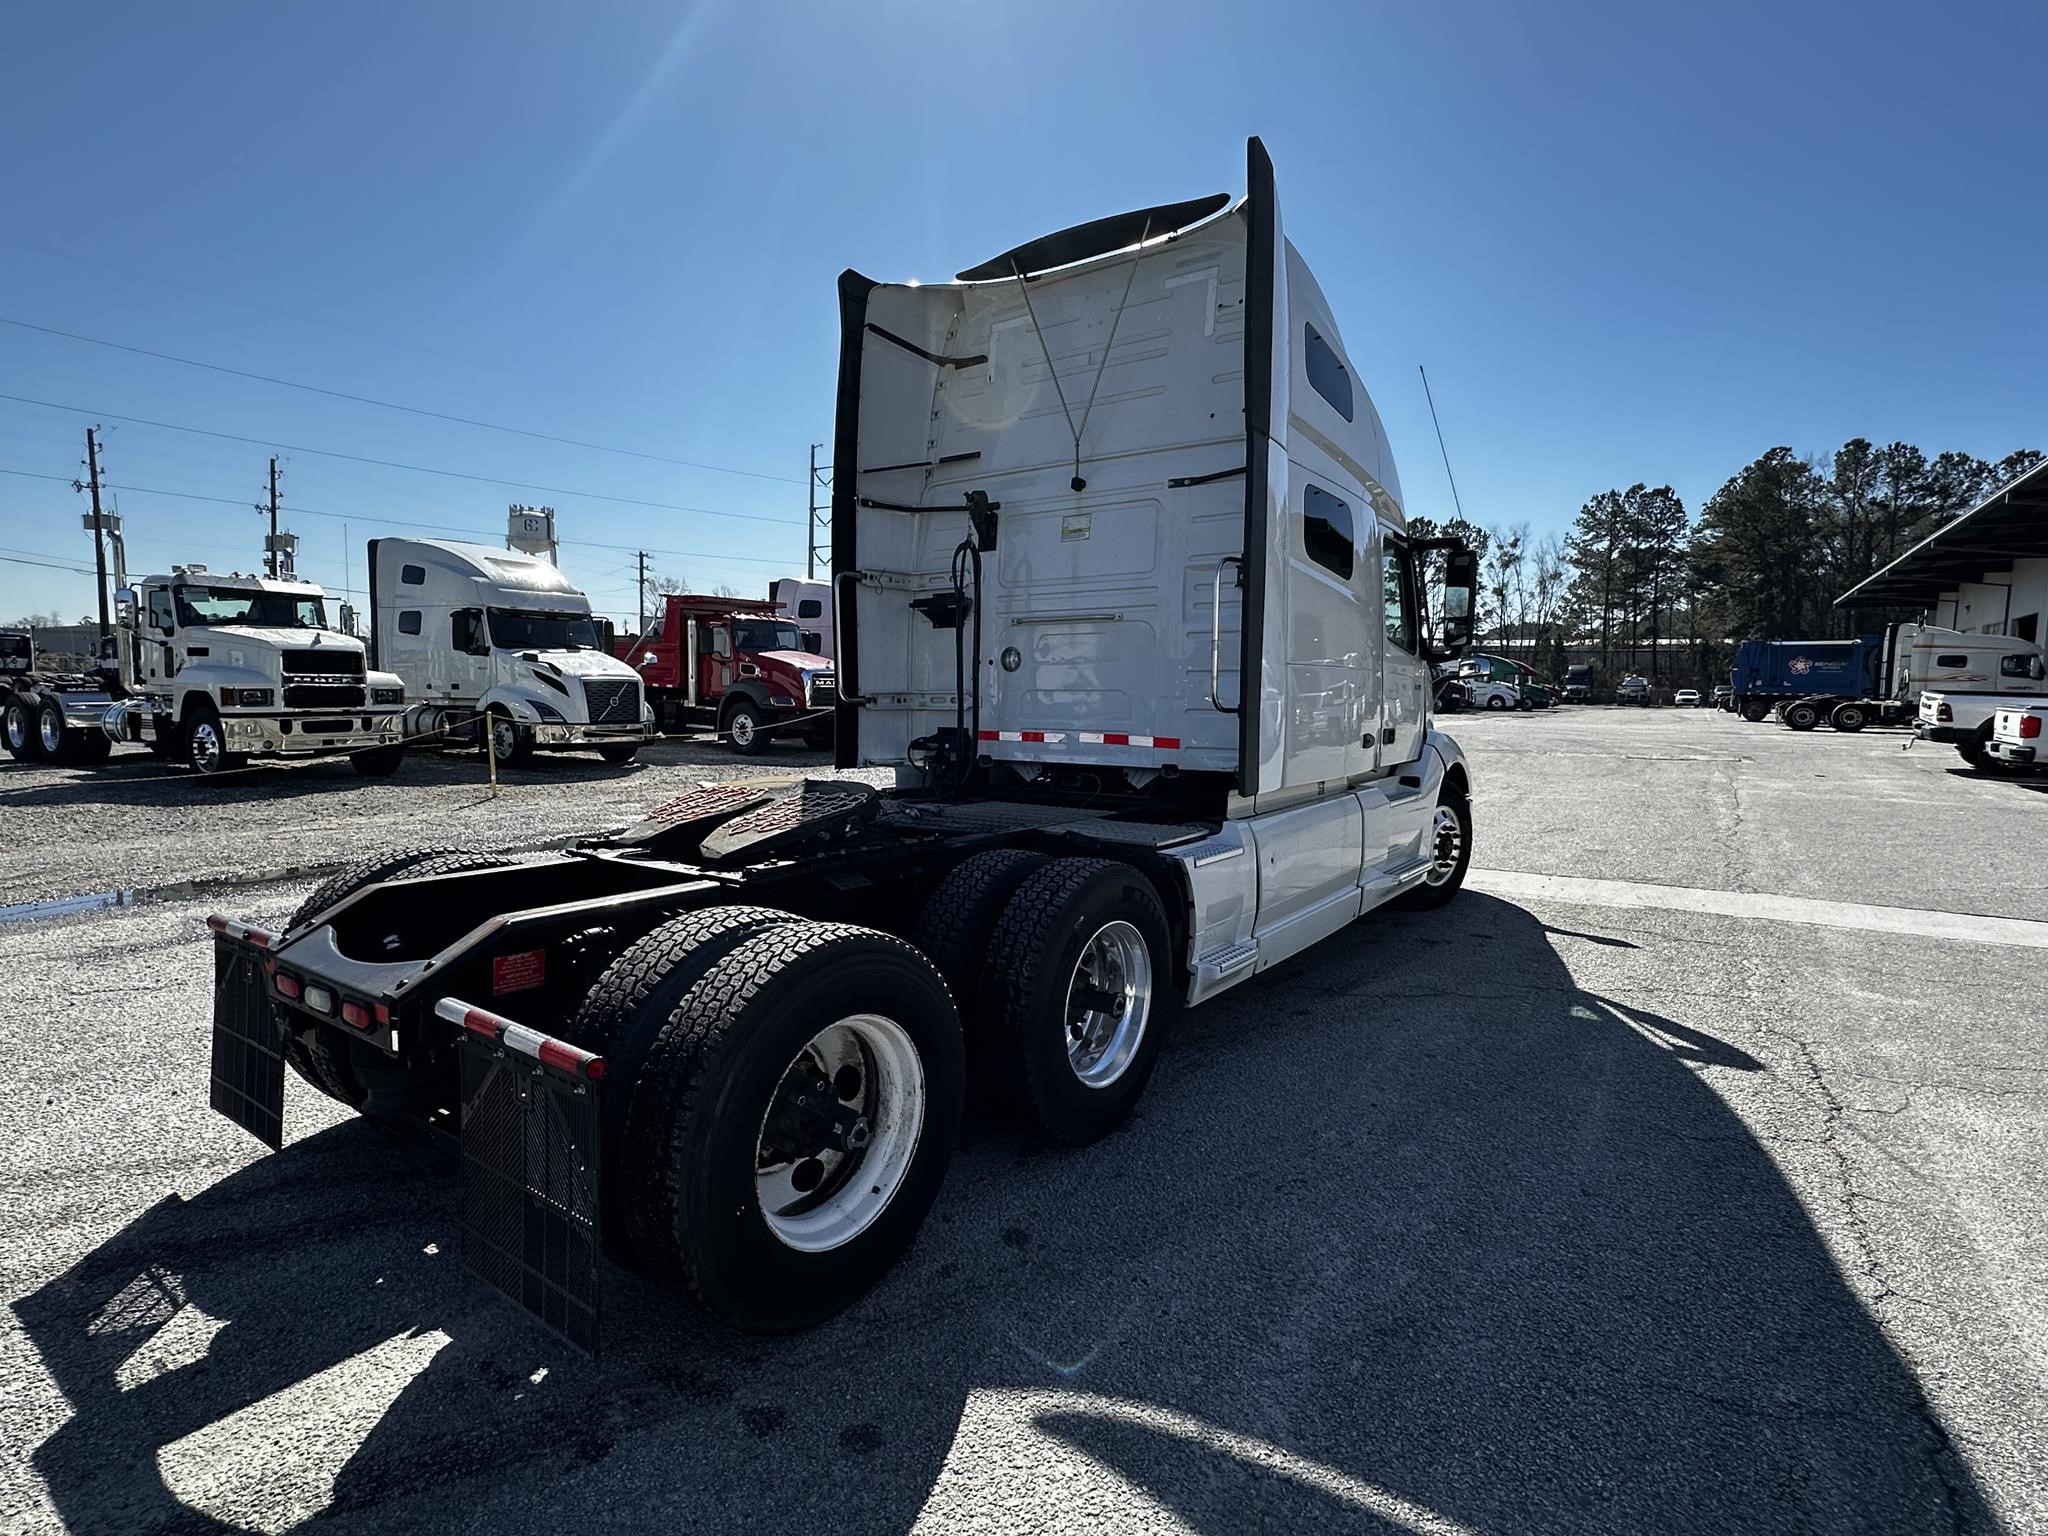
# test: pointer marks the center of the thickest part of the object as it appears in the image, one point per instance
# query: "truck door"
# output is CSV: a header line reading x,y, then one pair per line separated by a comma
x,y
1404,687
159,624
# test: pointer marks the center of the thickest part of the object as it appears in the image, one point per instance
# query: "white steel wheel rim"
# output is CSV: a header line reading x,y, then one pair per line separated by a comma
x,y
1108,1004
17,727
51,728
742,729
504,737
205,746
1446,844
849,1186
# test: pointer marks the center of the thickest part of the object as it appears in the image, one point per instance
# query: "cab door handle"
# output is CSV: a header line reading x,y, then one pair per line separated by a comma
x,y
1387,736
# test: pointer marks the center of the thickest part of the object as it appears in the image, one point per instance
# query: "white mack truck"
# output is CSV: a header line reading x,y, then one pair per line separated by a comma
x,y
1126,598
210,670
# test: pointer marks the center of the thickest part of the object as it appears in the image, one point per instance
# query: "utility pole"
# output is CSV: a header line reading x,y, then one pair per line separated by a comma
x,y
641,588
270,544
820,479
99,527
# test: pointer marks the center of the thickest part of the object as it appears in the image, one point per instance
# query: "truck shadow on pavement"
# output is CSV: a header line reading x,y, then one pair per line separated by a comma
x,y
1400,1239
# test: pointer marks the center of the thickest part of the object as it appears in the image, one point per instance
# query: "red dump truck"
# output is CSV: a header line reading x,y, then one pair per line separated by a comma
x,y
735,664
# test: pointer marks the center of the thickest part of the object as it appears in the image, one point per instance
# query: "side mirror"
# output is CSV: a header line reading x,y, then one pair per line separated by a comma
x,y
1461,593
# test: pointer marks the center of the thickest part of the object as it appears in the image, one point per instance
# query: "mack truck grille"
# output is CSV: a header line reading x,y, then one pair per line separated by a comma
x,y
612,702
824,692
328,693
326,666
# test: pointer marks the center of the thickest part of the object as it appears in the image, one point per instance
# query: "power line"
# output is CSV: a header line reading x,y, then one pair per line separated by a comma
x,y
391,405
417,469
399,522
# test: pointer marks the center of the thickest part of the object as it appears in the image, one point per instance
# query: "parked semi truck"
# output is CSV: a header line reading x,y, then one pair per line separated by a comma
x,y
1578,683
500,649
809,603
1884,679
1154,690
734,665
210,670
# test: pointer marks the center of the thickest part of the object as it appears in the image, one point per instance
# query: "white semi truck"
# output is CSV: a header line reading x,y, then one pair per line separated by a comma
x,y
493,638
210,670
1150,668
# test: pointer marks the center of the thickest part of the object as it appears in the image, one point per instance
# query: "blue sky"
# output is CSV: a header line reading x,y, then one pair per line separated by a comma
x,y
1637,242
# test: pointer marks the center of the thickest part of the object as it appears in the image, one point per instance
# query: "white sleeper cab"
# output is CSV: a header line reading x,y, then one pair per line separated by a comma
x,y
497,642
1124,598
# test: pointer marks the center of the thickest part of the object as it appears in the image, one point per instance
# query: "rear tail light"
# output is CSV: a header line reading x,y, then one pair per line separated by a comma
x,y
2030,727
355,1015
1943,712
287,985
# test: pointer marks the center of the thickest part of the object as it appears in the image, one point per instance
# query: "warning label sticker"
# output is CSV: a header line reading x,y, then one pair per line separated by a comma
x,y
1074,526
519,973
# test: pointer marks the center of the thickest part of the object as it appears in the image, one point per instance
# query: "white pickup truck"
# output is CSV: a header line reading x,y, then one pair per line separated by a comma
x,y
2016,734
1961,713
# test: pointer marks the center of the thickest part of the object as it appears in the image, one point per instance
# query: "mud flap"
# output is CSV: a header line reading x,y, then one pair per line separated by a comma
x,y
248,1043
530,1186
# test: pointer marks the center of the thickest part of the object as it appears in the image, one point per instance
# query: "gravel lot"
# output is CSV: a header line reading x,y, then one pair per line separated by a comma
x,y
1614,1207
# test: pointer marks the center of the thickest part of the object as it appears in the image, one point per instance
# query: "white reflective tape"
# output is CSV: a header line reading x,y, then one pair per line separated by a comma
x,y
527,1042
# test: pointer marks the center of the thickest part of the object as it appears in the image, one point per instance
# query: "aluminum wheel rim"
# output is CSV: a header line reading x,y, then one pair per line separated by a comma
x,y
742,729
17,729
1109,1003
1447,844
820,1184
205,746
50,728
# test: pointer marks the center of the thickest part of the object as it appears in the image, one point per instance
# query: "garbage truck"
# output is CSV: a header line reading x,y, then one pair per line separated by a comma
x,y
1884,678
1151,688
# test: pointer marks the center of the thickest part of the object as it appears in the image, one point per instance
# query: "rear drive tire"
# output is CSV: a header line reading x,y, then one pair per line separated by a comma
x,y
1849,718
767,1209
378,762
622,1017
55,740
954,927
1449,843
18,725
317,1053
1802,716
1075,996
623,753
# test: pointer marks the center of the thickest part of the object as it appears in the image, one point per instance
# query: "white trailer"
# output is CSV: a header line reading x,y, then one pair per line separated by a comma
x,y
491,636
1129,604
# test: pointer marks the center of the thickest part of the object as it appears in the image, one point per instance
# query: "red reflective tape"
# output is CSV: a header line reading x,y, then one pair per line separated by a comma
x,y
258,937
477,1022
567,1058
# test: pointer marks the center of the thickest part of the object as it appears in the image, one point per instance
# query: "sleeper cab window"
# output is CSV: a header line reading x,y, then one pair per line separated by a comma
x,y
412,575
1326,533
1952,661
810,608
1327,374
409,622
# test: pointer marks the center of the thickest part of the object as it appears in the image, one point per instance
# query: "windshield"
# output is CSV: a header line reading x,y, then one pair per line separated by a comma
x,y
766,635
198,606
526,629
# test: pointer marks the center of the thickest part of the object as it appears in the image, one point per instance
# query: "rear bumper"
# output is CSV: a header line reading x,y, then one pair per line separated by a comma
x,y
1946,734
2011,752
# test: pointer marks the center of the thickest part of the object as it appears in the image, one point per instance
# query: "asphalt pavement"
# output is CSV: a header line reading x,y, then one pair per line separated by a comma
x,y
1647,1202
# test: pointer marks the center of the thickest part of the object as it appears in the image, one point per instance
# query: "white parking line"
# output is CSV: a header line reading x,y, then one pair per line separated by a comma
x,y
1961,927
